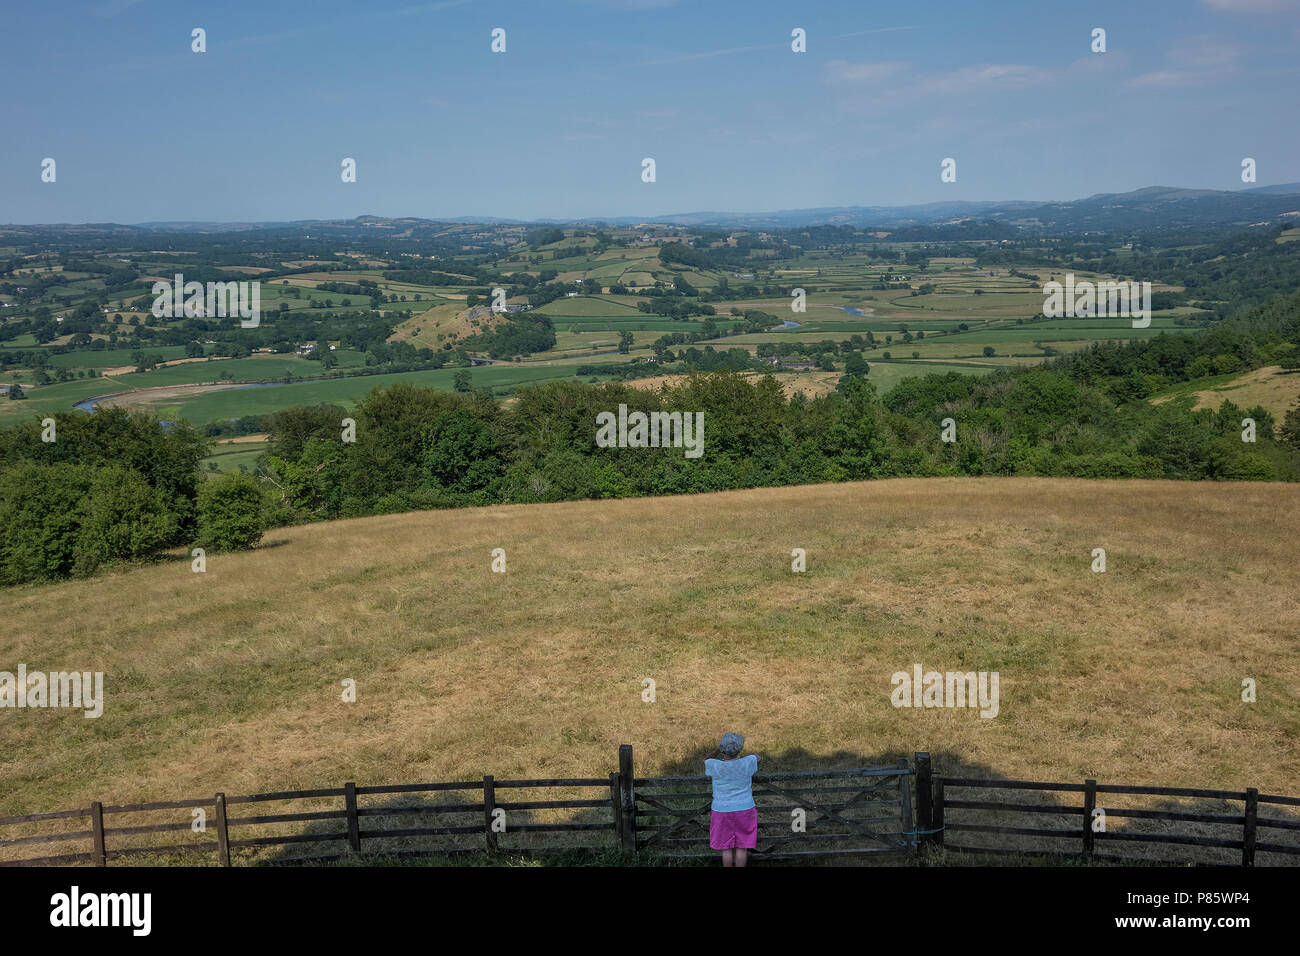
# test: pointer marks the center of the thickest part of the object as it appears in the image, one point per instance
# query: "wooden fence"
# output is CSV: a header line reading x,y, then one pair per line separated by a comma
x,y
393,820
1011,820
802,814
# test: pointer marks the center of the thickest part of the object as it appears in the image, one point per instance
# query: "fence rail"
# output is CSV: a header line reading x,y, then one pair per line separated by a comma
x,y
809,813
1019,825
485,812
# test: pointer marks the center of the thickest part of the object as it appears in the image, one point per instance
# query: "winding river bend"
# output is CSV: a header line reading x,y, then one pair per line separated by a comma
x,y
92,404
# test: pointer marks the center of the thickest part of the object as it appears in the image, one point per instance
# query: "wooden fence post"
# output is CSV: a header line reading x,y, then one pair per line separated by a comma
x,y
1089,804
223,832
489,807
924,800
1248,830
936,818
905,799
626,798
614,806
354,824
97,833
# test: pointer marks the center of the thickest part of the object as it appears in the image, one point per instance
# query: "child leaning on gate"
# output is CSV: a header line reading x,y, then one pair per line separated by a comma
x,y
733,827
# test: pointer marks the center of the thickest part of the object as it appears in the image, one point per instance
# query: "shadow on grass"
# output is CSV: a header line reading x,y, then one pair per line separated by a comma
x,y
176,555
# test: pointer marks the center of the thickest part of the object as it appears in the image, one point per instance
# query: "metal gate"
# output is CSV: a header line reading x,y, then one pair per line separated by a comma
x,y
800,813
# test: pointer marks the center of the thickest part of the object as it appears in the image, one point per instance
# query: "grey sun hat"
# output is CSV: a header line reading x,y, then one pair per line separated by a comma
x,y
731,744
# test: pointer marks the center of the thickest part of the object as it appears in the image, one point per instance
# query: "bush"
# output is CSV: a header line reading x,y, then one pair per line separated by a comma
x,y
65,519
168,460
230,513
125,519
462,455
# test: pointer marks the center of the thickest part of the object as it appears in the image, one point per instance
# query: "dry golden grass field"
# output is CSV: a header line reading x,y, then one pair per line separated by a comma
x,y
1270,386
230,680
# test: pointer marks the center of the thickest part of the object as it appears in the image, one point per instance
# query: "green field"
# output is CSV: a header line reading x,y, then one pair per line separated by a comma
x,y
235,402
52,398
110,358
233,457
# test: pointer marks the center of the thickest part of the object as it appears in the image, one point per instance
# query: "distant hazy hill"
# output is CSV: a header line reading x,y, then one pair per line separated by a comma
x,y
1153,207
220,226
1283,188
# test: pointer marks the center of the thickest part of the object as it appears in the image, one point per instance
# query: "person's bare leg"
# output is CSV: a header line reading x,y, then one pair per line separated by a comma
x,y
742,857
728,857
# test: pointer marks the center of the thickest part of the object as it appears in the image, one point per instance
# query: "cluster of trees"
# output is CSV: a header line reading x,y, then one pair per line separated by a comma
x,y
623,371
546,293
675,306
363,287
712,360
423,277
543,236
1266,335
754,320
677,253
523,333
712,250
402,356
232,427
112,487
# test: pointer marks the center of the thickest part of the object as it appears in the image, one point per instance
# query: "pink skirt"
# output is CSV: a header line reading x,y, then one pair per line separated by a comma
x,y
737,830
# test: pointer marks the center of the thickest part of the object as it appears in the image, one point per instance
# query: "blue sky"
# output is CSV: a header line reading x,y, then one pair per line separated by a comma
x,y
143,129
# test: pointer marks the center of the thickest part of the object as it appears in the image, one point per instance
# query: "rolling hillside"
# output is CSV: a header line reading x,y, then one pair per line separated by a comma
x,y
230,680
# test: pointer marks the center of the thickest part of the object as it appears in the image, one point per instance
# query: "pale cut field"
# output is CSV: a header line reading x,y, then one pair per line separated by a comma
x,y
230,680
1270,386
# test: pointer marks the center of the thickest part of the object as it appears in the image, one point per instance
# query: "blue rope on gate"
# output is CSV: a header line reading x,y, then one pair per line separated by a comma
x,y
913,833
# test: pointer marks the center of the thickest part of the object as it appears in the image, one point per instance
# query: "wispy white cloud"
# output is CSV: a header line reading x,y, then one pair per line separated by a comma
x,y
862,33
1199,52
1194,61
706,54
1169,78
782,45
980,79
1094,65
840,72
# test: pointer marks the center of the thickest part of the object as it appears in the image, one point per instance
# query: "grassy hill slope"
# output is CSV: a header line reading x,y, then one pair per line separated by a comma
x,y
230,680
